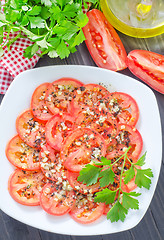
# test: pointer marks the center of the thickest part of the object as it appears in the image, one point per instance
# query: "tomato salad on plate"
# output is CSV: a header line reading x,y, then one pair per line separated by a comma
x,y
71,125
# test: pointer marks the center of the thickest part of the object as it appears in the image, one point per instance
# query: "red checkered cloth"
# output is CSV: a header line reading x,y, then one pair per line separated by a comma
x,y
12,62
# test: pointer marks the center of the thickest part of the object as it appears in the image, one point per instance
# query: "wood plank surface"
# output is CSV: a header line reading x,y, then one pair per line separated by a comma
x,y
152,225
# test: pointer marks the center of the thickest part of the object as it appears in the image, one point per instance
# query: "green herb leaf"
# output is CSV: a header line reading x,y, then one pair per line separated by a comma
x,y
141,161
129,175
89,175
129,202
117,212
34,11
143,178
37,22
106,177
106,196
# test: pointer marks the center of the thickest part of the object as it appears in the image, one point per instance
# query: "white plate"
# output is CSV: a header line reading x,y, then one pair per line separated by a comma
x,y
18,98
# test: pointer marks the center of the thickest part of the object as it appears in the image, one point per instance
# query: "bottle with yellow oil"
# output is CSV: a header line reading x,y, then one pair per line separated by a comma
x,y
136,18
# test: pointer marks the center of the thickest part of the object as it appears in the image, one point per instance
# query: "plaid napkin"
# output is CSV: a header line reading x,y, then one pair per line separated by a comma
x,y
12,62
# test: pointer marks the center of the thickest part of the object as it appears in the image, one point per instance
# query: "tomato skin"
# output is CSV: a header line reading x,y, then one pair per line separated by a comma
x,y
25,186
54,206
149,67
103,42
21,155
58,128
38,105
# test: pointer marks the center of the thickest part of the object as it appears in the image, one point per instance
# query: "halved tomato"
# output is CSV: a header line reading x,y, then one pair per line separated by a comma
x,y
82,188
127,136
21,155
103,42
50,163
25,186
60,94
58,128
86,210
80,147
38,105
149,67
31,131
55,200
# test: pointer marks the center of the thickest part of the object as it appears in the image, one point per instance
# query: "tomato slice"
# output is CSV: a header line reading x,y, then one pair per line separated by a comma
x,y
60,93
80,147
25,186
50,163
86,210
127,136
30,130
149,67
21,155
82,188
58,128
89,95
103,42
38,105
55,200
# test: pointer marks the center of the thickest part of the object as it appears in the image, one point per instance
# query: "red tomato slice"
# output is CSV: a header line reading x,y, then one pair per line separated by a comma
x,y
21,155
59,96
80,147
89,96
55,200
103,42
127,136
149,67
50,163
123,107
25,186
58,128
82,188
30,130
38,105
86,210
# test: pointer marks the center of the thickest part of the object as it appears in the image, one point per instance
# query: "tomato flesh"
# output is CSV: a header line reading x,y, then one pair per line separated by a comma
x,y
103,42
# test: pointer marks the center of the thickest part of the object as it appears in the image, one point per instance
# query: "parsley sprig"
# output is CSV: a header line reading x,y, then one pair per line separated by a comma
x,y
119,200
54,27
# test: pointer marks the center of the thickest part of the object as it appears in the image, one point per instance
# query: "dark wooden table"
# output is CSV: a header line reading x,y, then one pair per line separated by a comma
x,y
152,225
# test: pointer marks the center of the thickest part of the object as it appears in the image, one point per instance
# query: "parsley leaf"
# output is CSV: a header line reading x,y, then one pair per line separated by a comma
x,y
89,174
107,196
106,177
129,175
129,202
141,160
117,212
143,178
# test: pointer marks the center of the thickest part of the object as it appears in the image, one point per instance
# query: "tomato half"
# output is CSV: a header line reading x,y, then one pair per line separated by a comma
x,y
50,163
59,96
25,186
123,107
21,155
38,105
55,200
58,128
103,42
127,136
149,67
86,210
30,130
82,188
80,147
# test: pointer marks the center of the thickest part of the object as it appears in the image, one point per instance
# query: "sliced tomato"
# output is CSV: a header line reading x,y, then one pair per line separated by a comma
x,y
89,96
80,147
21,155
86,210
55,200
103,42
127,136
149,67
31,131
50,163
38,105
60,93
25,186
123,107
82,188
58,128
